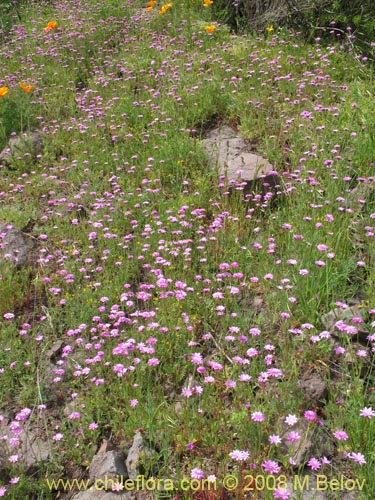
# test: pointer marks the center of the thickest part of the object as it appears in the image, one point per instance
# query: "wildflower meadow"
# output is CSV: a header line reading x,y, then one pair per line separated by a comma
x,y
231,327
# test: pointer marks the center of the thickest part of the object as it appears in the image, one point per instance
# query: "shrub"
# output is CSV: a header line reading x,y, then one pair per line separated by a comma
x,y
323,18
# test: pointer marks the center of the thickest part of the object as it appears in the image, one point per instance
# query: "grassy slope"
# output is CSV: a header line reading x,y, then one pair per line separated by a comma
x,y
125,209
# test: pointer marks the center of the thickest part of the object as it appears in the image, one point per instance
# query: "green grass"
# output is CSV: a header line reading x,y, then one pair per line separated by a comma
x,y
127,205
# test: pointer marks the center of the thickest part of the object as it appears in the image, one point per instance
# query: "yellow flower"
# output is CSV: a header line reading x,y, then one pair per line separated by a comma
x,y
210,29
207,3
269,29
165,7
3,91
52,25
26,88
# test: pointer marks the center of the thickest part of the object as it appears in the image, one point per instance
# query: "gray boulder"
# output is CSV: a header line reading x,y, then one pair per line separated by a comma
x,y
29,144
16,246
108,466
231,153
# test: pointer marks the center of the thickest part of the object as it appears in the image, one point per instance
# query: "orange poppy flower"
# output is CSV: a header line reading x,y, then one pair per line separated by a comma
x,y
3,91
52,25
210,29
26,88
207,3
165,7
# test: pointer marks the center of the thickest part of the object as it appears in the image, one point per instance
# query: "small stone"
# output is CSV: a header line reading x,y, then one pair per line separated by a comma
x,y
304,488
30,142
34,449
258,302
360,195
55,349
346,315
16,247
108,466
96,494
137,453
350,359
314,388
106,446
312,443
178,406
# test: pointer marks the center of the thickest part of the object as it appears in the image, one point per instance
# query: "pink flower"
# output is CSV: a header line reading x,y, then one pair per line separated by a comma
x,y
361,353
367,412
239,455
215,366
75,415
153,362
291,420
282,493
23,414
310,415
255,332
271,466
197,473
3,490
341,435
274,439
257,416
314,463
197,358
252,352
133,403
293,436
357,457
58,436
187,392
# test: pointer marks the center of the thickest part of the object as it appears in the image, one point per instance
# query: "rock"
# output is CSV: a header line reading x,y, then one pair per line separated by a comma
x,y
108,465
335,322
16,247
96,494
34,449
303,487
190,382
307,486
314,388
125,494
231,153
349,359
258,303
360,195
55,350
313,443
178,407
137,453
30,144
